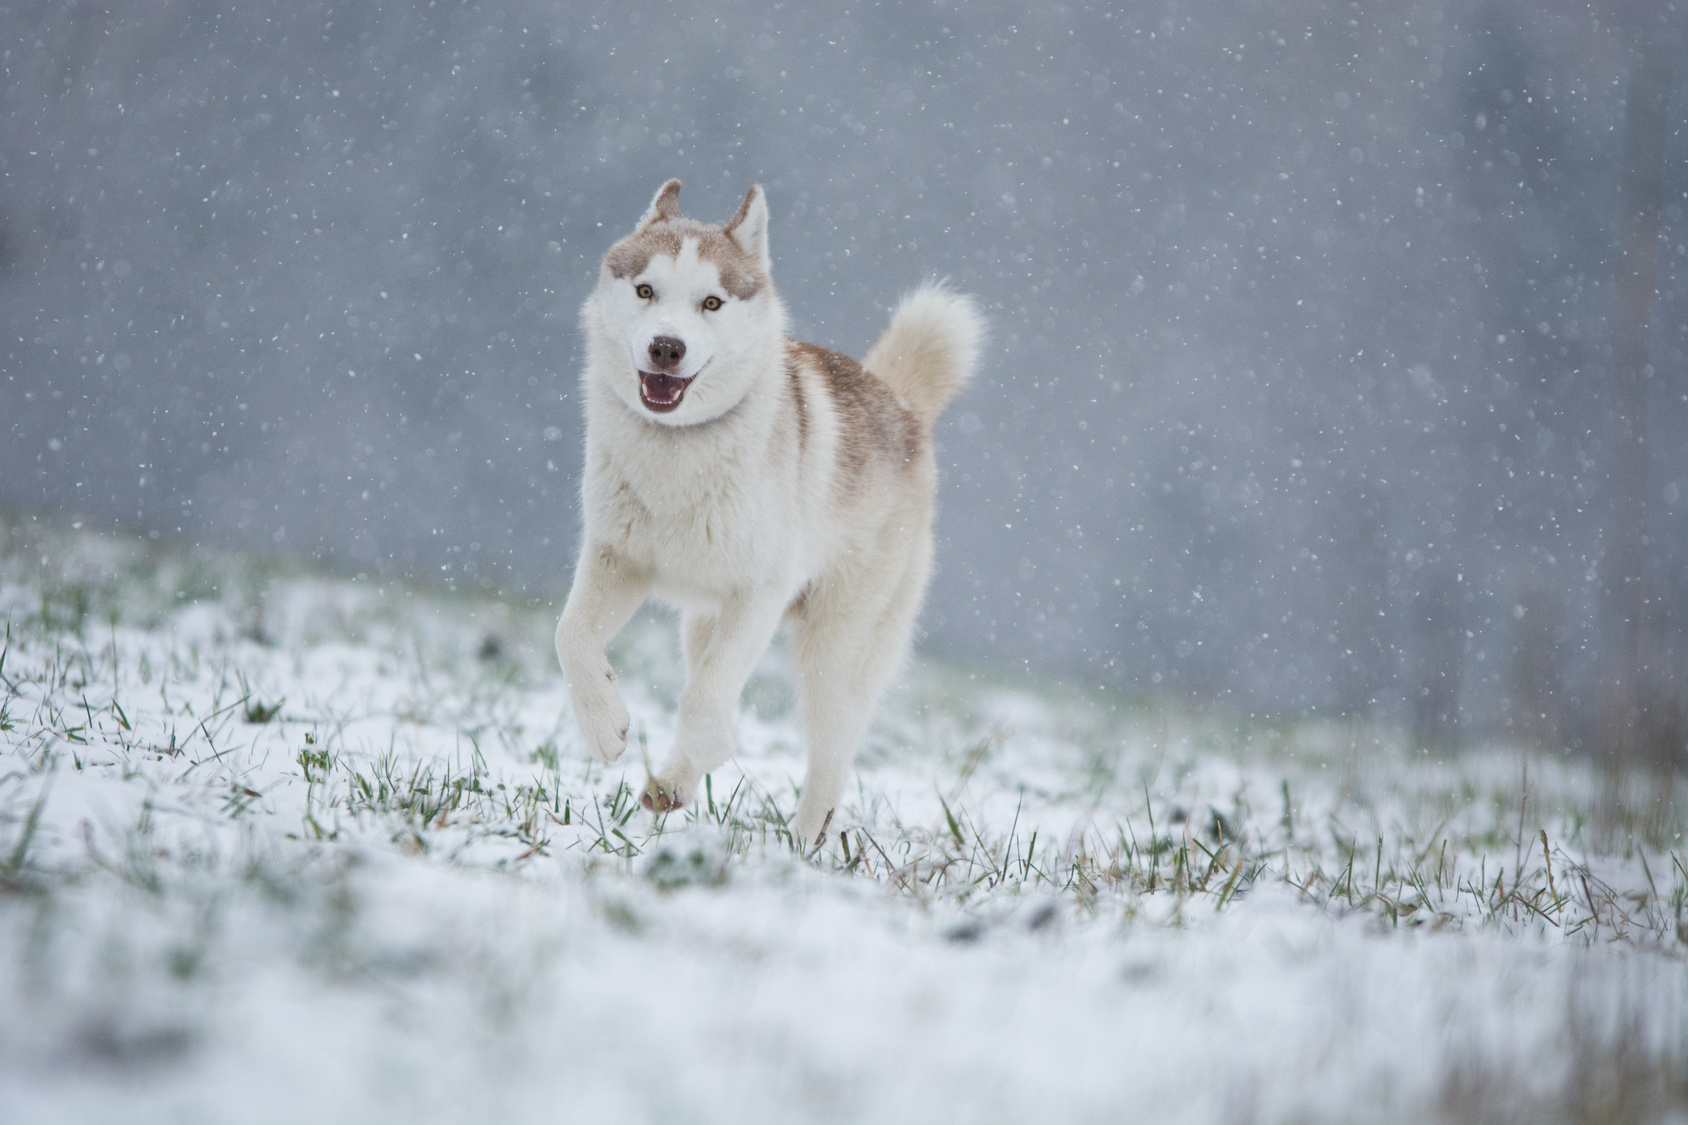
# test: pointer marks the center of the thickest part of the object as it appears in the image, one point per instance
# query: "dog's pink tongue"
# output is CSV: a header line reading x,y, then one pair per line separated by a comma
x,y
662,388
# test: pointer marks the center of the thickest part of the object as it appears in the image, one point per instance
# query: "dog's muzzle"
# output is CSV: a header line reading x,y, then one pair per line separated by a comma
x,y
662,393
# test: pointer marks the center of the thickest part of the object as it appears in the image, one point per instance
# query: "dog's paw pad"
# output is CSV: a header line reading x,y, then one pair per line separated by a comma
x,y
659,798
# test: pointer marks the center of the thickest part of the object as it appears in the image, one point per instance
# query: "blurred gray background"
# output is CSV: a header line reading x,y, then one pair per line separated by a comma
x,y
1311,385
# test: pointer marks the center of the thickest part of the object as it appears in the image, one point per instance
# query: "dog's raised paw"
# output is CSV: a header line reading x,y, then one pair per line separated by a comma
x,y
603,723
607,750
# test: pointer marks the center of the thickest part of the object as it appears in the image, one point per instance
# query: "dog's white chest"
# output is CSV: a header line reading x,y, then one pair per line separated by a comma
x,y
697,532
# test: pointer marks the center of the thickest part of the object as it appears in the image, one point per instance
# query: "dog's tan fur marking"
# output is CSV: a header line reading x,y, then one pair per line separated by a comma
x,y
799,403
740,276
872,420
629,257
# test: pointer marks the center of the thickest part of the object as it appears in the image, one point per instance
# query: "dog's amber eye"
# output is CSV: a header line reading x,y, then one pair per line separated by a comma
x,y
711,303
645,292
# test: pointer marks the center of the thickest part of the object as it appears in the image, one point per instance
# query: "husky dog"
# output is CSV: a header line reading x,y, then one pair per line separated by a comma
x,y
750,479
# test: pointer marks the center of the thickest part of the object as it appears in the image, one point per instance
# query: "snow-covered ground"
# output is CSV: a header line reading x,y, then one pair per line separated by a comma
x,y
278,846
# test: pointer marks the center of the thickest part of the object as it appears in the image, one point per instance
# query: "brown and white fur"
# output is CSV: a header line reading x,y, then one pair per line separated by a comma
x,y
750,479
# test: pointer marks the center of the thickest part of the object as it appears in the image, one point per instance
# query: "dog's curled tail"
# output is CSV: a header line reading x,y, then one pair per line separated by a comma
x,y
930,348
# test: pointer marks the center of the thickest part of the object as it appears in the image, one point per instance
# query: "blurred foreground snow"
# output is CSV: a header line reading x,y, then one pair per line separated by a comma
x,y
278,846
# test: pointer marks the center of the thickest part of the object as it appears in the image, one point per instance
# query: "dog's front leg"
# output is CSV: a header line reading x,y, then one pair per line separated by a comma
x,y
726,654
606,592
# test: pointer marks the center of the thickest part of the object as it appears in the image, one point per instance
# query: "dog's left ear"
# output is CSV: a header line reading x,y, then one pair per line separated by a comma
x,y
749,228
665,206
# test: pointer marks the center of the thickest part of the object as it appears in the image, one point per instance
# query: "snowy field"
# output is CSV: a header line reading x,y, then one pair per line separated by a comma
x,y
282,846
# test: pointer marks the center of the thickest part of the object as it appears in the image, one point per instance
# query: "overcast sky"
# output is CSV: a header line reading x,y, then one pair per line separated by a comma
x,y
1297,322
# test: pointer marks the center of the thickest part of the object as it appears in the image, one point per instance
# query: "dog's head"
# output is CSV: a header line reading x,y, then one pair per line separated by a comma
x,y
684,314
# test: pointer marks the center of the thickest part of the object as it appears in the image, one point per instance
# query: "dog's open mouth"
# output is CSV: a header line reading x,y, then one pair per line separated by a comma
x,y
662,393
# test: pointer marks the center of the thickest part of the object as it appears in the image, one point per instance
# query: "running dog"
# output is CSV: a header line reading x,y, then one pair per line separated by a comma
x,y
751,480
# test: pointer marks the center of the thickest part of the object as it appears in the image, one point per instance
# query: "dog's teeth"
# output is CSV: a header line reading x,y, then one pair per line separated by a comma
x,y
662,391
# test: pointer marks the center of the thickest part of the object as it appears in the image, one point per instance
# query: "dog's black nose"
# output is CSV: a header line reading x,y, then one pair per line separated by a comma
x,y
666,353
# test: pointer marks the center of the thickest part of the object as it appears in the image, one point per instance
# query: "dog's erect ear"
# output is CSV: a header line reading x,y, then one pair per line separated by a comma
x,y
749,228
665,206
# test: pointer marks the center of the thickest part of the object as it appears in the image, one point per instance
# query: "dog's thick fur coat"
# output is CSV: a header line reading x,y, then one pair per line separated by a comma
x,y
751,480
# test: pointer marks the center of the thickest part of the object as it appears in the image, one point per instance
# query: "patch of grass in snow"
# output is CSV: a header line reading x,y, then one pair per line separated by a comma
x,y
239,739
1119,812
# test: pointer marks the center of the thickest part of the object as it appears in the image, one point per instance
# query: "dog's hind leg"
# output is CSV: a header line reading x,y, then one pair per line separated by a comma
x,y
848,644
721,652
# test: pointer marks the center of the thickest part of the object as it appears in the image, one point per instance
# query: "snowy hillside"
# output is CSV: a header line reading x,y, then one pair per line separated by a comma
x,y
281,846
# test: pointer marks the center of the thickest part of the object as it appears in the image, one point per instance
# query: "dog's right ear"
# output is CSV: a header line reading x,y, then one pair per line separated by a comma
x,y
749,228
665,206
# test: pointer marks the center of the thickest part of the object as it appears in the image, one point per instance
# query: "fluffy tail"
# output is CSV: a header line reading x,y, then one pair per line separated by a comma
x,y
928,352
